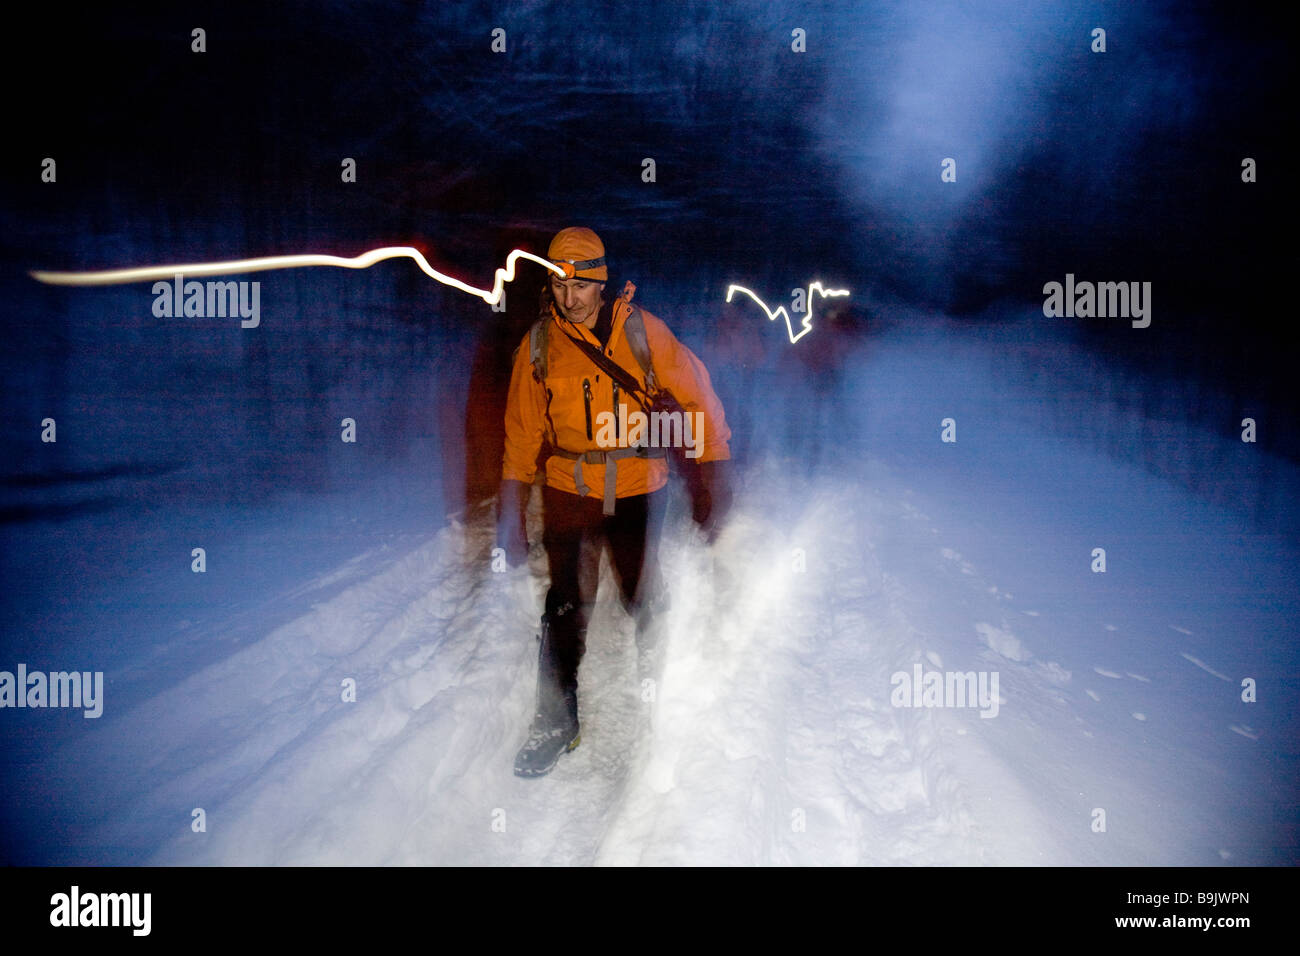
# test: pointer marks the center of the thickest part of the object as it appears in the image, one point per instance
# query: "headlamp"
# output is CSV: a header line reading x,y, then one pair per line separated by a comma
x,y
571,267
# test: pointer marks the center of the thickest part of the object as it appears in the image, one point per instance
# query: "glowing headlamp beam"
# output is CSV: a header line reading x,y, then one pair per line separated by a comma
x,y
236,266
789,324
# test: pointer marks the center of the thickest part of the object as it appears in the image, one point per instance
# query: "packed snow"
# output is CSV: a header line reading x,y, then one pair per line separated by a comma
x,y
777,734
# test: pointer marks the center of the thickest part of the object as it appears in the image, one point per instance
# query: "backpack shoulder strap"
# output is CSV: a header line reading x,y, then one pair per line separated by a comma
x,y
634,331
538,337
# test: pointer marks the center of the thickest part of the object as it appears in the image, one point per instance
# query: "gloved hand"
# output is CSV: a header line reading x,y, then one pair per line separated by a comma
x,y
512,528
711,495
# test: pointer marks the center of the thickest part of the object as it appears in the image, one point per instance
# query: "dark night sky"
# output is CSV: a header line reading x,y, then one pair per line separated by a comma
x,y
1116,166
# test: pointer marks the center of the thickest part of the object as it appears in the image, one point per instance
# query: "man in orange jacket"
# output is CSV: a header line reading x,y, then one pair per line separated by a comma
x,y
582,390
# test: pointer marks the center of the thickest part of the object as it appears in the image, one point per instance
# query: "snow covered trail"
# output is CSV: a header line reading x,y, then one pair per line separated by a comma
x,y
776,742
1116,733
773,742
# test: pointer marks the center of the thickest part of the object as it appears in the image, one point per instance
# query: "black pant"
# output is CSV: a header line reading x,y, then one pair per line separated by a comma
x,y
575,528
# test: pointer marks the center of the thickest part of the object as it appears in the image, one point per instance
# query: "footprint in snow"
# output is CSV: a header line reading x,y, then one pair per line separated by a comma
x,y
951,555
1206,667
1002,642
1054,673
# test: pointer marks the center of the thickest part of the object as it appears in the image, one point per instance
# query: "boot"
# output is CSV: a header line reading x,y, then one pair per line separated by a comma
x,y
651,647
554,730
649,652
651,626
550,736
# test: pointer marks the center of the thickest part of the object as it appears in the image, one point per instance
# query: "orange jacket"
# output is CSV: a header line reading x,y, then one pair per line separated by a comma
x,y
557,409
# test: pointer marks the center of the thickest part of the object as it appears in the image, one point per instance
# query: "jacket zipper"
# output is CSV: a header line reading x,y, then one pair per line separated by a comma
x,y
586,399
616,434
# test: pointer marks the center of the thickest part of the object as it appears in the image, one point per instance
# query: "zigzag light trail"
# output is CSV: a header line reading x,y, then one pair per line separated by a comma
x,y
789,325
368,259
265,263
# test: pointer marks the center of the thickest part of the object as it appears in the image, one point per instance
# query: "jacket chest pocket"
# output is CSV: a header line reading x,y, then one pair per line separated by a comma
x,y
573,403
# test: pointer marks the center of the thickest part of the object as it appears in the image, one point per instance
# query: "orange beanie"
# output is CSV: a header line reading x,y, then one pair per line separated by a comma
x,y
582,249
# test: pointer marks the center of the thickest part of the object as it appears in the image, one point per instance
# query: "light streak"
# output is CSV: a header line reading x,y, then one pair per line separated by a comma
x,y
789,324
239,266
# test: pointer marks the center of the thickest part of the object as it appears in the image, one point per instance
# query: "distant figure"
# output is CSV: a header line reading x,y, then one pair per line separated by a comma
x,y
816,422
602,482
742,347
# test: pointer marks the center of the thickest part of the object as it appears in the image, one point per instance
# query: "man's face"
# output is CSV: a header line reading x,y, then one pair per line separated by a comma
x,y
577,299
